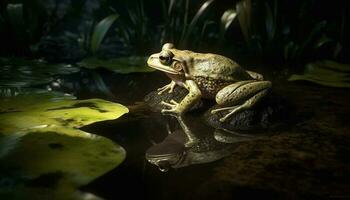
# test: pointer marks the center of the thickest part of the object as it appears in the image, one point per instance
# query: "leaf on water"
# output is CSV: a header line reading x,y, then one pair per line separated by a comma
x,y
119,65
27,111
41,146
54,158
327,73
100,31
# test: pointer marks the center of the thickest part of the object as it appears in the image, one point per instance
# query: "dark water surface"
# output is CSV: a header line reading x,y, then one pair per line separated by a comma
x,y
306,158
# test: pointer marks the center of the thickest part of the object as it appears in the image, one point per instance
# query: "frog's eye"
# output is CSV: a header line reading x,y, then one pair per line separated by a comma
x,y
168,46
166,57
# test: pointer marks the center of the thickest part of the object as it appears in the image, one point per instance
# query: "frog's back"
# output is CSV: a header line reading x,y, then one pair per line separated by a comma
x,y
218,67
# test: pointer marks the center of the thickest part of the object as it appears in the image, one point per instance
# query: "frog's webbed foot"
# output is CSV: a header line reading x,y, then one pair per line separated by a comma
x,y
173,105
169,87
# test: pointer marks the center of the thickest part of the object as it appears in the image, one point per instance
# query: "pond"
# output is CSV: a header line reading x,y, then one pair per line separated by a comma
x,y
303,156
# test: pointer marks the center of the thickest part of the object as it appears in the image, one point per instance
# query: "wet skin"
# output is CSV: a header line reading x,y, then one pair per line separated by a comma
x,y
210,76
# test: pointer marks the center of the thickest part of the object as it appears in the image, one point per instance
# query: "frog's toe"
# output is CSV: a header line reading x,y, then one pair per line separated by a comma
x,y
172,106
223,119
161,90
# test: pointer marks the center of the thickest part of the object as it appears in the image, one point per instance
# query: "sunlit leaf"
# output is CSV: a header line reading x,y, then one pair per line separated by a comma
x,y
100,31
28,111
119,65
328,73
55,158
41,146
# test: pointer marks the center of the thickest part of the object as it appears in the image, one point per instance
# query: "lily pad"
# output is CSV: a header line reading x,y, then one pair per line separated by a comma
x,y
28,111
44,155
123,65
328,73
18,72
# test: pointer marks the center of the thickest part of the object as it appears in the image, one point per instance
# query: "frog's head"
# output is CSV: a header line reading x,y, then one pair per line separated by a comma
x,y
171,60
170,153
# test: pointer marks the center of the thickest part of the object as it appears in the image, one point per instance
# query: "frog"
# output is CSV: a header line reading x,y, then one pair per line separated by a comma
x,y
208,76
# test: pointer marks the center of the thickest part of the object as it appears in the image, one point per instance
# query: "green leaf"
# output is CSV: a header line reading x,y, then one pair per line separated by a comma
x,y
35,110
100,31
327,73
194,20
40,143
119,65
244,12
227,19
58,159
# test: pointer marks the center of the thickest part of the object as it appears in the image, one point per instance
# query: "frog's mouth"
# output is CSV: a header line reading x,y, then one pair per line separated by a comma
x,y
153,61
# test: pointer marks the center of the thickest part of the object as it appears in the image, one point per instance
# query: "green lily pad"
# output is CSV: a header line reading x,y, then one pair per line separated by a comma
x,y
28,111
124,65
42,153
18,72
327,73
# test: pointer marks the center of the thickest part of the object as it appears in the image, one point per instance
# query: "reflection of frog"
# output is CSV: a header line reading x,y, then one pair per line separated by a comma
x,y
208,76
184,146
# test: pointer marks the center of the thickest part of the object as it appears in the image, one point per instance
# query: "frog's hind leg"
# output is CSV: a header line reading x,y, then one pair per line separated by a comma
x,y
241,96
247,104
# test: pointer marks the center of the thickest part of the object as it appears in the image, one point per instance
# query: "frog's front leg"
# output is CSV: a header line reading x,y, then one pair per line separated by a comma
x,y
241,96
169,87
193,96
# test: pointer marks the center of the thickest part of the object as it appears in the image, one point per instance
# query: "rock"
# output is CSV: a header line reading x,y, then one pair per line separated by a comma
x,y
269,112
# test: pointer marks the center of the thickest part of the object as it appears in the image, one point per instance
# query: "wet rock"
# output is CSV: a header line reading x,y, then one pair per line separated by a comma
x,y
270,112
154,100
